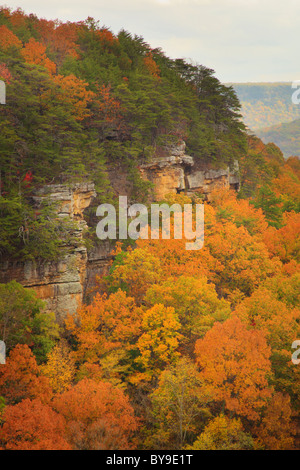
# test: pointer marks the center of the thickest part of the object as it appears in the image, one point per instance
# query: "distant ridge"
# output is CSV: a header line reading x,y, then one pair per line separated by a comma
x,y
265,104
285,135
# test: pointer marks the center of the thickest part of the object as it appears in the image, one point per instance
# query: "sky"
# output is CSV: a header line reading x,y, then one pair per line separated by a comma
x,y
242,40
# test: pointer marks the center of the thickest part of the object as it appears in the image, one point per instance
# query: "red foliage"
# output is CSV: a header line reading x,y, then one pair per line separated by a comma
x,y
8,39
109,107
31,425
106,37
20,377
98,416
152,66
35,53
5,73
28,178
60,37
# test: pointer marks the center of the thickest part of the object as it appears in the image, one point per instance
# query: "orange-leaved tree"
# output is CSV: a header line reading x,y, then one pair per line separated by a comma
x,y
35,53
21,377
32,425
60,38
8,39
105,331
98,415
152,66
285,242
279,320
244,259
235,366
74,91
276,430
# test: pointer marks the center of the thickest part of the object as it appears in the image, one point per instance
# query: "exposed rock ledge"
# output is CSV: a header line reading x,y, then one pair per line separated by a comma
x,y
178,172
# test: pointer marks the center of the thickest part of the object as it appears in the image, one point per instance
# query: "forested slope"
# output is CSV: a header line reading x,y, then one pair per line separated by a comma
x,y
177,349
285,135
79,99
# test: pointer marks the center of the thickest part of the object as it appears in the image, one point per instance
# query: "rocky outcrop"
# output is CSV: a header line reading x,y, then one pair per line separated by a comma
x,y
98,263
205,181
65,283
60,283
166,174
178,172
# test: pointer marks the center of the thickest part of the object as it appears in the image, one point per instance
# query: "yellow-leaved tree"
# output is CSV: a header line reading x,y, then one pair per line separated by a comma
x,y
59,368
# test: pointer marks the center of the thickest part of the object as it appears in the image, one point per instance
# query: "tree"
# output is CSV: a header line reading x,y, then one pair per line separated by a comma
x,y
107,113
195,301
8,39
98,416
235,367
59,368
151,65
159,342
286,286
23,321
287,185
5,73
244,260
267,200
223,433
74,91
105,332
276,430
280,323
136,272
60,38
17,304
179,406
35,53
228,207
284,242
171,254
32,425
20,377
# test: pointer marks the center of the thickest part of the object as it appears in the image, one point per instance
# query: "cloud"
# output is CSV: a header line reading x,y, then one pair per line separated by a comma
x,y
243,40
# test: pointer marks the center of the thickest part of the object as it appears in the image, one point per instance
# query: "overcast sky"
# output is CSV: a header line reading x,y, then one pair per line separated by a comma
x,y
242,40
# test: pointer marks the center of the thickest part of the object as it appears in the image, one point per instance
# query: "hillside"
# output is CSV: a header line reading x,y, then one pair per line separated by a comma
x,y
140,343
285,135
266,104
81,100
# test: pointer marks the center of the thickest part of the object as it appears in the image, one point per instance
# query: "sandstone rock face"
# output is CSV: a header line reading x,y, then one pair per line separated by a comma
x,y
207,181
167,173
71,199
60,283
98,263
178,172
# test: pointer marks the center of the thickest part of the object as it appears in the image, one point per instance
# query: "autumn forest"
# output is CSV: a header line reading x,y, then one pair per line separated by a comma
x,y
171,349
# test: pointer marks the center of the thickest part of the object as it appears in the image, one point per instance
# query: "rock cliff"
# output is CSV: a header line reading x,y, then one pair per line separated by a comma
x,y
178,172
60,283
64,283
